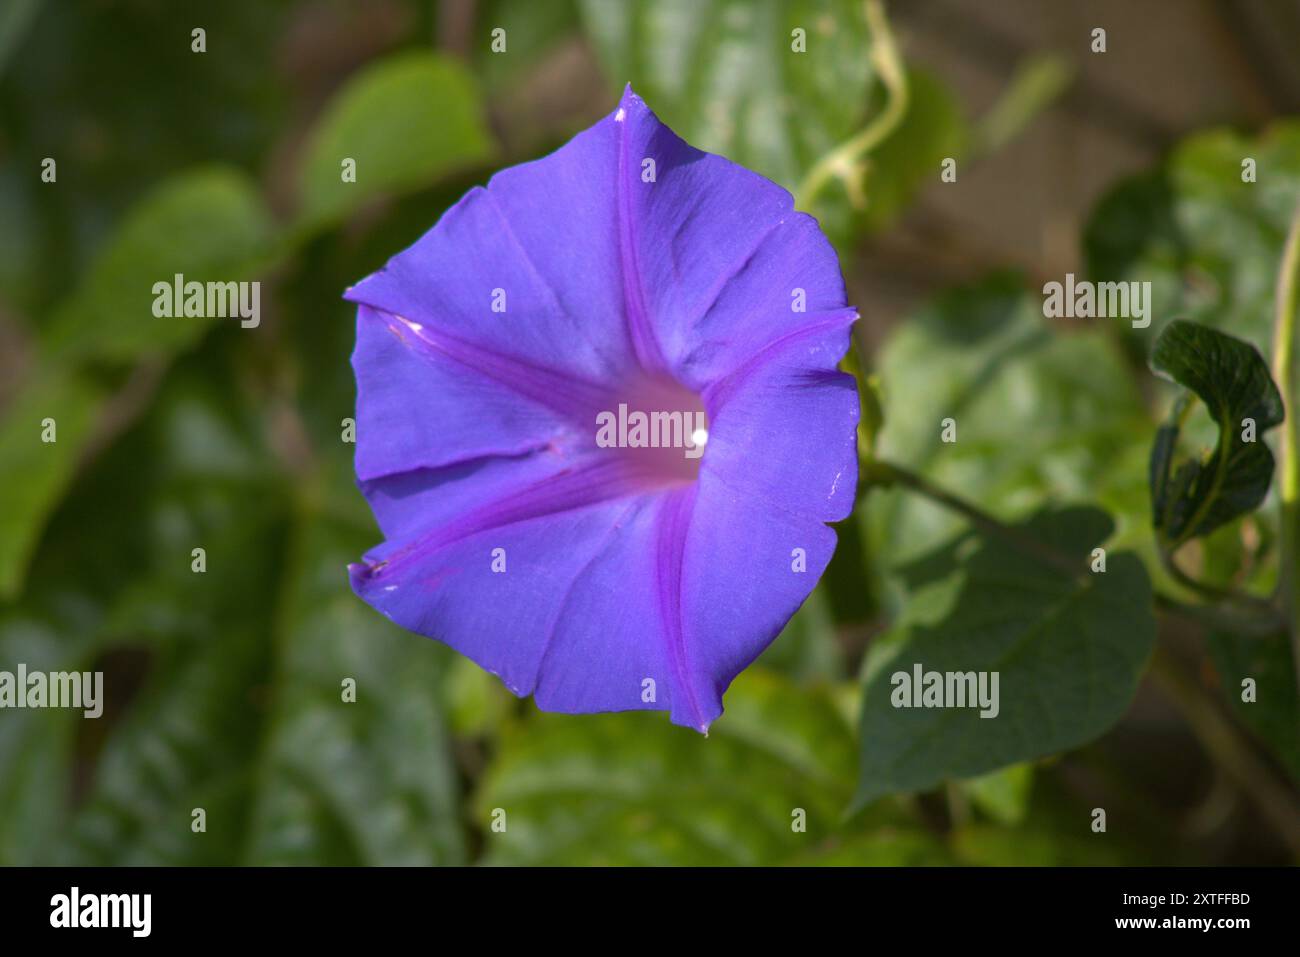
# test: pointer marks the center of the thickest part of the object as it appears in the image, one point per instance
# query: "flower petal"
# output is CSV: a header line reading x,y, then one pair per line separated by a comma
x,y
783,427
501,619
418,407
720,260
540,243
746,570
566,587
618,641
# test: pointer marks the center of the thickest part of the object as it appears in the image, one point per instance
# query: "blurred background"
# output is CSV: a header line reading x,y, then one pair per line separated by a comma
x,y
223,688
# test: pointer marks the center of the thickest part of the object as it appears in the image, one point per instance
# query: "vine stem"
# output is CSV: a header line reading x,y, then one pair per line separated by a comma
x,y
879,473
842,161
1243,621
1284,374
1262,608
1250,618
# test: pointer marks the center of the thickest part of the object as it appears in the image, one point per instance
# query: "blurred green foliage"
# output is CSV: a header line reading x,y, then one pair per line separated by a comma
x,y
1041,417
225,689
1207,241
725,74
426,103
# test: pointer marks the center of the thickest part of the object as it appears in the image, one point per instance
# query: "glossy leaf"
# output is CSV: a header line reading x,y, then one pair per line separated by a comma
x,y
367,781
238,706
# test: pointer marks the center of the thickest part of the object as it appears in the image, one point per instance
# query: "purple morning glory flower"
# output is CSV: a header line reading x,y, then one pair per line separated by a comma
x,y
600,423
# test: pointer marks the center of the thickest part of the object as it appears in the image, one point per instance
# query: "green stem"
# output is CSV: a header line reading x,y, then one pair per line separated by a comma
x,y
879,473
1284,374
1252,616
843,160
1262,607
1241,621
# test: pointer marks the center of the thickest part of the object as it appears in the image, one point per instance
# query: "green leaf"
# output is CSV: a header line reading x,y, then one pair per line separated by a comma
x,y
723,74
201,658
34,473
193,473
115,95
405,121
184,745
207,225
1068,650
1208,242
1232,379
627,789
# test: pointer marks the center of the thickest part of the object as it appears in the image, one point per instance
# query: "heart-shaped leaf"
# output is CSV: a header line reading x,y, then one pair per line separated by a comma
x,y
1067,650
